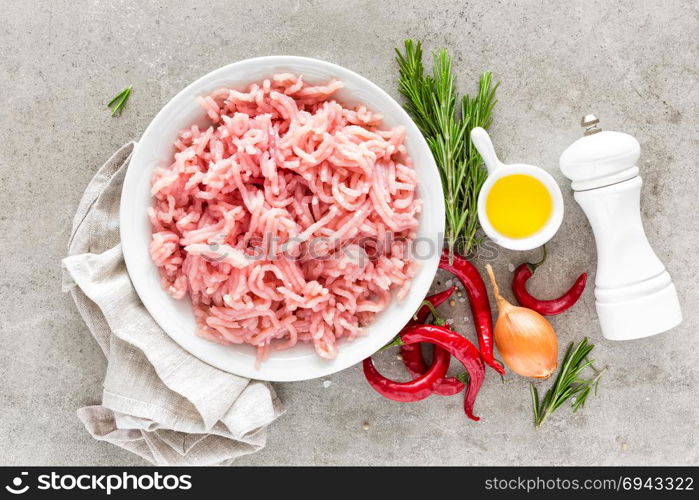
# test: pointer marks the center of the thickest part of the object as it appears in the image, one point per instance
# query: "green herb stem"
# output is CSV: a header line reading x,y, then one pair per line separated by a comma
x,y
117,104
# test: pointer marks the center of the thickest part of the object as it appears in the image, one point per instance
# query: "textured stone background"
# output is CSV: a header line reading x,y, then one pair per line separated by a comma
x,y
633,63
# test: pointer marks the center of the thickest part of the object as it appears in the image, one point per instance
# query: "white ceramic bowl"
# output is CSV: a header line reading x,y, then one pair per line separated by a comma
x,y
175,316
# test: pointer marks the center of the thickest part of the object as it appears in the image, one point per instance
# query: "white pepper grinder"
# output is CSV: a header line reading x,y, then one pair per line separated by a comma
x,y
634,294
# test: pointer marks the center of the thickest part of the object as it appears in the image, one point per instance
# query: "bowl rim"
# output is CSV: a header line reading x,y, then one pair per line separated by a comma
x,y
428,266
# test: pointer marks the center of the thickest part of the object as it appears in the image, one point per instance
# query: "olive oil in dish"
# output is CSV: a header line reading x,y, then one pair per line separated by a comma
x,y
518,206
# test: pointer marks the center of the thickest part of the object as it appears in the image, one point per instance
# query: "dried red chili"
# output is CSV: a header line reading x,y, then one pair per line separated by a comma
x,y
412,354
459,347
416,389
545,307
416,365
478,299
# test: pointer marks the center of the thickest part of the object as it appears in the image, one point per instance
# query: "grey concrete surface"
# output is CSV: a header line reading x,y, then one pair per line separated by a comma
x,y
633,63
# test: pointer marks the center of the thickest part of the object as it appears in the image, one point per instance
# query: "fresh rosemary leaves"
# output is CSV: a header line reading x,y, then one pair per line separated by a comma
x,y
568,383
432,102
117,104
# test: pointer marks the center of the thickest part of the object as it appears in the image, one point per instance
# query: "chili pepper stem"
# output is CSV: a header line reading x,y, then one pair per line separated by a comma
x,y
393,343
533,265
437,319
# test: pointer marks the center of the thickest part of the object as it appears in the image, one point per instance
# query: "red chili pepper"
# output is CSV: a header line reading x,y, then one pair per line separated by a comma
x,y
544,307
412,354
415,390
416,365
478,300
459,347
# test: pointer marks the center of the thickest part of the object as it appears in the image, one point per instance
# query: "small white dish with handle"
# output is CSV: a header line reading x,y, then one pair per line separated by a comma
x,y
496,171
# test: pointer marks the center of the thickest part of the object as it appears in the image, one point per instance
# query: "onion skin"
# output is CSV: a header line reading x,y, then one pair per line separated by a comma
x,y
526,341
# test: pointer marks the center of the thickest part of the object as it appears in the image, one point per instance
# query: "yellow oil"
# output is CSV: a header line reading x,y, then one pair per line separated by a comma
x,y
518,206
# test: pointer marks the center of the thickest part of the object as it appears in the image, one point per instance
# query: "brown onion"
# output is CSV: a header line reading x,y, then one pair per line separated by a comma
x,y
525,339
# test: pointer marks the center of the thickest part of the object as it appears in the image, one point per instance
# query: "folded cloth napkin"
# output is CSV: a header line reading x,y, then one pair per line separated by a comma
x,y
159,401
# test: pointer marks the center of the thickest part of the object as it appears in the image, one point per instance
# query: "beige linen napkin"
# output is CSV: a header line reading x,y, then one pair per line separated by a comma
x,y
159,401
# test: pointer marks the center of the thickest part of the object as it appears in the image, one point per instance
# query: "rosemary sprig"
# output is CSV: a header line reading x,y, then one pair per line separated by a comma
x,y
568,383
119,101
432,103
480,111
